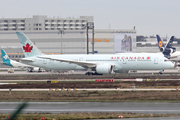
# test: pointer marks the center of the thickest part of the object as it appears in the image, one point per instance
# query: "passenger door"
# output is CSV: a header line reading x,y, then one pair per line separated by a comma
x,y
155,60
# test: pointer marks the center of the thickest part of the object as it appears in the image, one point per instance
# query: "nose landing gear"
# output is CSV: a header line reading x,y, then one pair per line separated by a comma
x,y
161,71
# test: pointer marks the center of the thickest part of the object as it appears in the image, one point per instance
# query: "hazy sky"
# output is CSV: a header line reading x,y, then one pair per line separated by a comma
x,y
150,17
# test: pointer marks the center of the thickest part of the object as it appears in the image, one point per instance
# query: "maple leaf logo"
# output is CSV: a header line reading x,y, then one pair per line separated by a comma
x,y
27,48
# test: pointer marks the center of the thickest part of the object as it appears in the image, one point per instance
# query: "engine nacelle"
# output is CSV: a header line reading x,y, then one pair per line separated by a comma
x,y
104,69
162,49
170,50
36,69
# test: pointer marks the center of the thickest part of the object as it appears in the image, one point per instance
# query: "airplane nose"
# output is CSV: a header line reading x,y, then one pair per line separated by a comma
x,y
169,65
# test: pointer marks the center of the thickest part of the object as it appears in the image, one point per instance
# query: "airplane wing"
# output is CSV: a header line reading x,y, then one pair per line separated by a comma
x,y
25,60
80,63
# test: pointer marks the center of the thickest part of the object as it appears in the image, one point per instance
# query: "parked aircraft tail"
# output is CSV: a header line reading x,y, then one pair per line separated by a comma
x,y
160,43
5,57
168,49
27,45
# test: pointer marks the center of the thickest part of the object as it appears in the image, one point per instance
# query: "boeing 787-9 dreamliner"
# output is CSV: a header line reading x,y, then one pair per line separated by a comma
x,y
93,64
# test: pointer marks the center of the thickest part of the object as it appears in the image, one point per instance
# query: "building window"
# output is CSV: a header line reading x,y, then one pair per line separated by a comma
x,y
19,56
39,24
22,25
13,20
46,28
22,20
12,56
46,20
5,21
22,29
52,20
39,28
23,56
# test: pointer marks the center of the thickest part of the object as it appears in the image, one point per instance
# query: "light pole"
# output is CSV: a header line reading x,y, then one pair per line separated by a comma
x,y
61,32
89,25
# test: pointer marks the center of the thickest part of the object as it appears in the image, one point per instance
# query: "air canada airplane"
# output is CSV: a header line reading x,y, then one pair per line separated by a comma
x,y
93,64
15,64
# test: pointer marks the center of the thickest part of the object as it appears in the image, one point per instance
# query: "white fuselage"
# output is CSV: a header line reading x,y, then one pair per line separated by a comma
x,y
16,64
121,62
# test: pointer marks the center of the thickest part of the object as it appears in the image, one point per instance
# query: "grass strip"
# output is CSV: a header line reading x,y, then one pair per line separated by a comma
x,y
91,96
83,115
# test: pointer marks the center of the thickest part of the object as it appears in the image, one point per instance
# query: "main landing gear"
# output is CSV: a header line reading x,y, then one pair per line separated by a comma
x,y
92,73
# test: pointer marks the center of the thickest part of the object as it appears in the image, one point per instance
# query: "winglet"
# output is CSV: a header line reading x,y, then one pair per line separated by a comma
x,y
27,45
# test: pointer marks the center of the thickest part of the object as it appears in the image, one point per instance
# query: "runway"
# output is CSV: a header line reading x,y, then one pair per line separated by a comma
x,y
63,107
82,72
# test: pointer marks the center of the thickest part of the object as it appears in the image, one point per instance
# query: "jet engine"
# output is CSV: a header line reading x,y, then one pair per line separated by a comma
x,y
168,50
35,69
104,69
162,49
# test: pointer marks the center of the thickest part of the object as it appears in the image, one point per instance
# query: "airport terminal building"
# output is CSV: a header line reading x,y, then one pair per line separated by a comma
x,y
63,36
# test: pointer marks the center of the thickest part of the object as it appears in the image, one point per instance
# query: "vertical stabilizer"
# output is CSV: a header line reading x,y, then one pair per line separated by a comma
x,y
169,45
5,57
168,49
27,45
160,43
